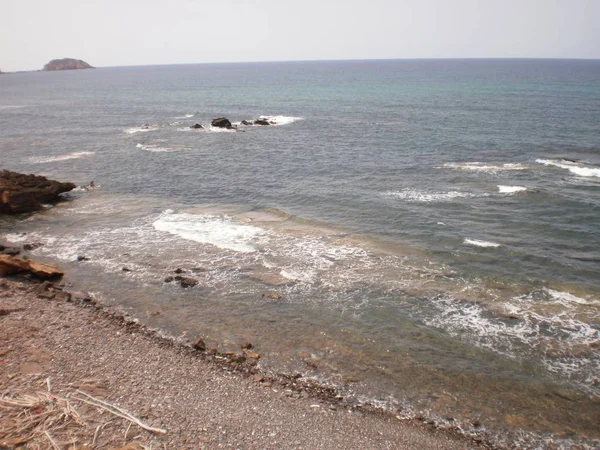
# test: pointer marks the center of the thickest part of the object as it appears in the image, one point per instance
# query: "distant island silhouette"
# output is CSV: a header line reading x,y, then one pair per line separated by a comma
x,y
67,64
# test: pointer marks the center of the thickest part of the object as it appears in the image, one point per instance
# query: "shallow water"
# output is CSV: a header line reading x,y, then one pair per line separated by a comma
x,y
431,226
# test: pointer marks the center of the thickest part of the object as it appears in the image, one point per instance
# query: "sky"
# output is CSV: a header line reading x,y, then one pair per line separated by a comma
x,y
145,32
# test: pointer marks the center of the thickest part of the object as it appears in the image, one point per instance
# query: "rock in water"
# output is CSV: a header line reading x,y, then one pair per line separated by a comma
x,y
21,193
10,265
262,122
221,122
67,64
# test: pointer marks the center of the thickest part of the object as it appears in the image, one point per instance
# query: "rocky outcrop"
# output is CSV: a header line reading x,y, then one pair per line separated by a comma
x,y
221,122
21,193
10,265
67,64
261,122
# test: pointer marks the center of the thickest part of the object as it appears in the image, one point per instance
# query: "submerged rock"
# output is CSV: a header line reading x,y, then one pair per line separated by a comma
x,y
197,126
20,193
261,122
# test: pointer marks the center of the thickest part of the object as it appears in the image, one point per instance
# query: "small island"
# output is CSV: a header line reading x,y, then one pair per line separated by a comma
x,y
67,64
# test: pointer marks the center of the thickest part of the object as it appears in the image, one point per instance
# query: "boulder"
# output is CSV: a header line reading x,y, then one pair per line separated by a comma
x,y
262,122
245,122
221,122
10,265
21,193
197,126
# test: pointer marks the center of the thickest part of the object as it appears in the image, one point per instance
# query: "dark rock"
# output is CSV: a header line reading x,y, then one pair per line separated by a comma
x,y
21,193
221,122
245,122
45,286
67,64
125,269
186,282
179,270
169,279
197,126
11,251
200,345
83,258
261,122
63,296
33,246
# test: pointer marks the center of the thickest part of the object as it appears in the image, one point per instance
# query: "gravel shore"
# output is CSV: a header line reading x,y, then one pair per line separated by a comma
x,y
60,347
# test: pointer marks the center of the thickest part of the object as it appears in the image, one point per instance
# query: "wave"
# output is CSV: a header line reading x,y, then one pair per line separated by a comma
x,y
187,116
522,326
48,159
566,298
571,166
159,149
219,129
484,167
478,243
142,129
511,189
413,195
220,231
281,120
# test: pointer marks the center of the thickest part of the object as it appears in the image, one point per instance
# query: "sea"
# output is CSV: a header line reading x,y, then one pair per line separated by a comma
x,y
422,235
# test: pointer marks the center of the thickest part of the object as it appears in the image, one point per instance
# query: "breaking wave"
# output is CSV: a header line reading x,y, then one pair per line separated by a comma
x,y
511,189
572,166
48,159
478,243
484,167
413,195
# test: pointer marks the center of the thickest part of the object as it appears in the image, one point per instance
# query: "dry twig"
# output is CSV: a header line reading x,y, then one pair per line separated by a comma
x,y
115,410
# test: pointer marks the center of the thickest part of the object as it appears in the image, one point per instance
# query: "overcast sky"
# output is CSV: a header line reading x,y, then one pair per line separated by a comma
x,y
139,32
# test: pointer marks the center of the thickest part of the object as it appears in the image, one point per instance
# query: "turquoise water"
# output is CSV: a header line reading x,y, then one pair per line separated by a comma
x,y
432,226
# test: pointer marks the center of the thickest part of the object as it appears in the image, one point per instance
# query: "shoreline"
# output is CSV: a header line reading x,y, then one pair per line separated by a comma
x,y
100,330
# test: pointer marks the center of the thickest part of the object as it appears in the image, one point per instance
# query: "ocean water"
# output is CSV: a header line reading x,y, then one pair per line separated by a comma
x,y
432,226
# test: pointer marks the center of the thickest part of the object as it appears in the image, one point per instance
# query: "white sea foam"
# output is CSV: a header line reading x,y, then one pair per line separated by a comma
x,y
48,159
413,195
573,167
484,167
511,189
281,120
220,231
534,329
478,243
142,129
566,298
218,129
160,149
187,116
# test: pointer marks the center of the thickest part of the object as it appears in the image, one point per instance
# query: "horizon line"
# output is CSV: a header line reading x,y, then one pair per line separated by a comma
x,y
470,58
